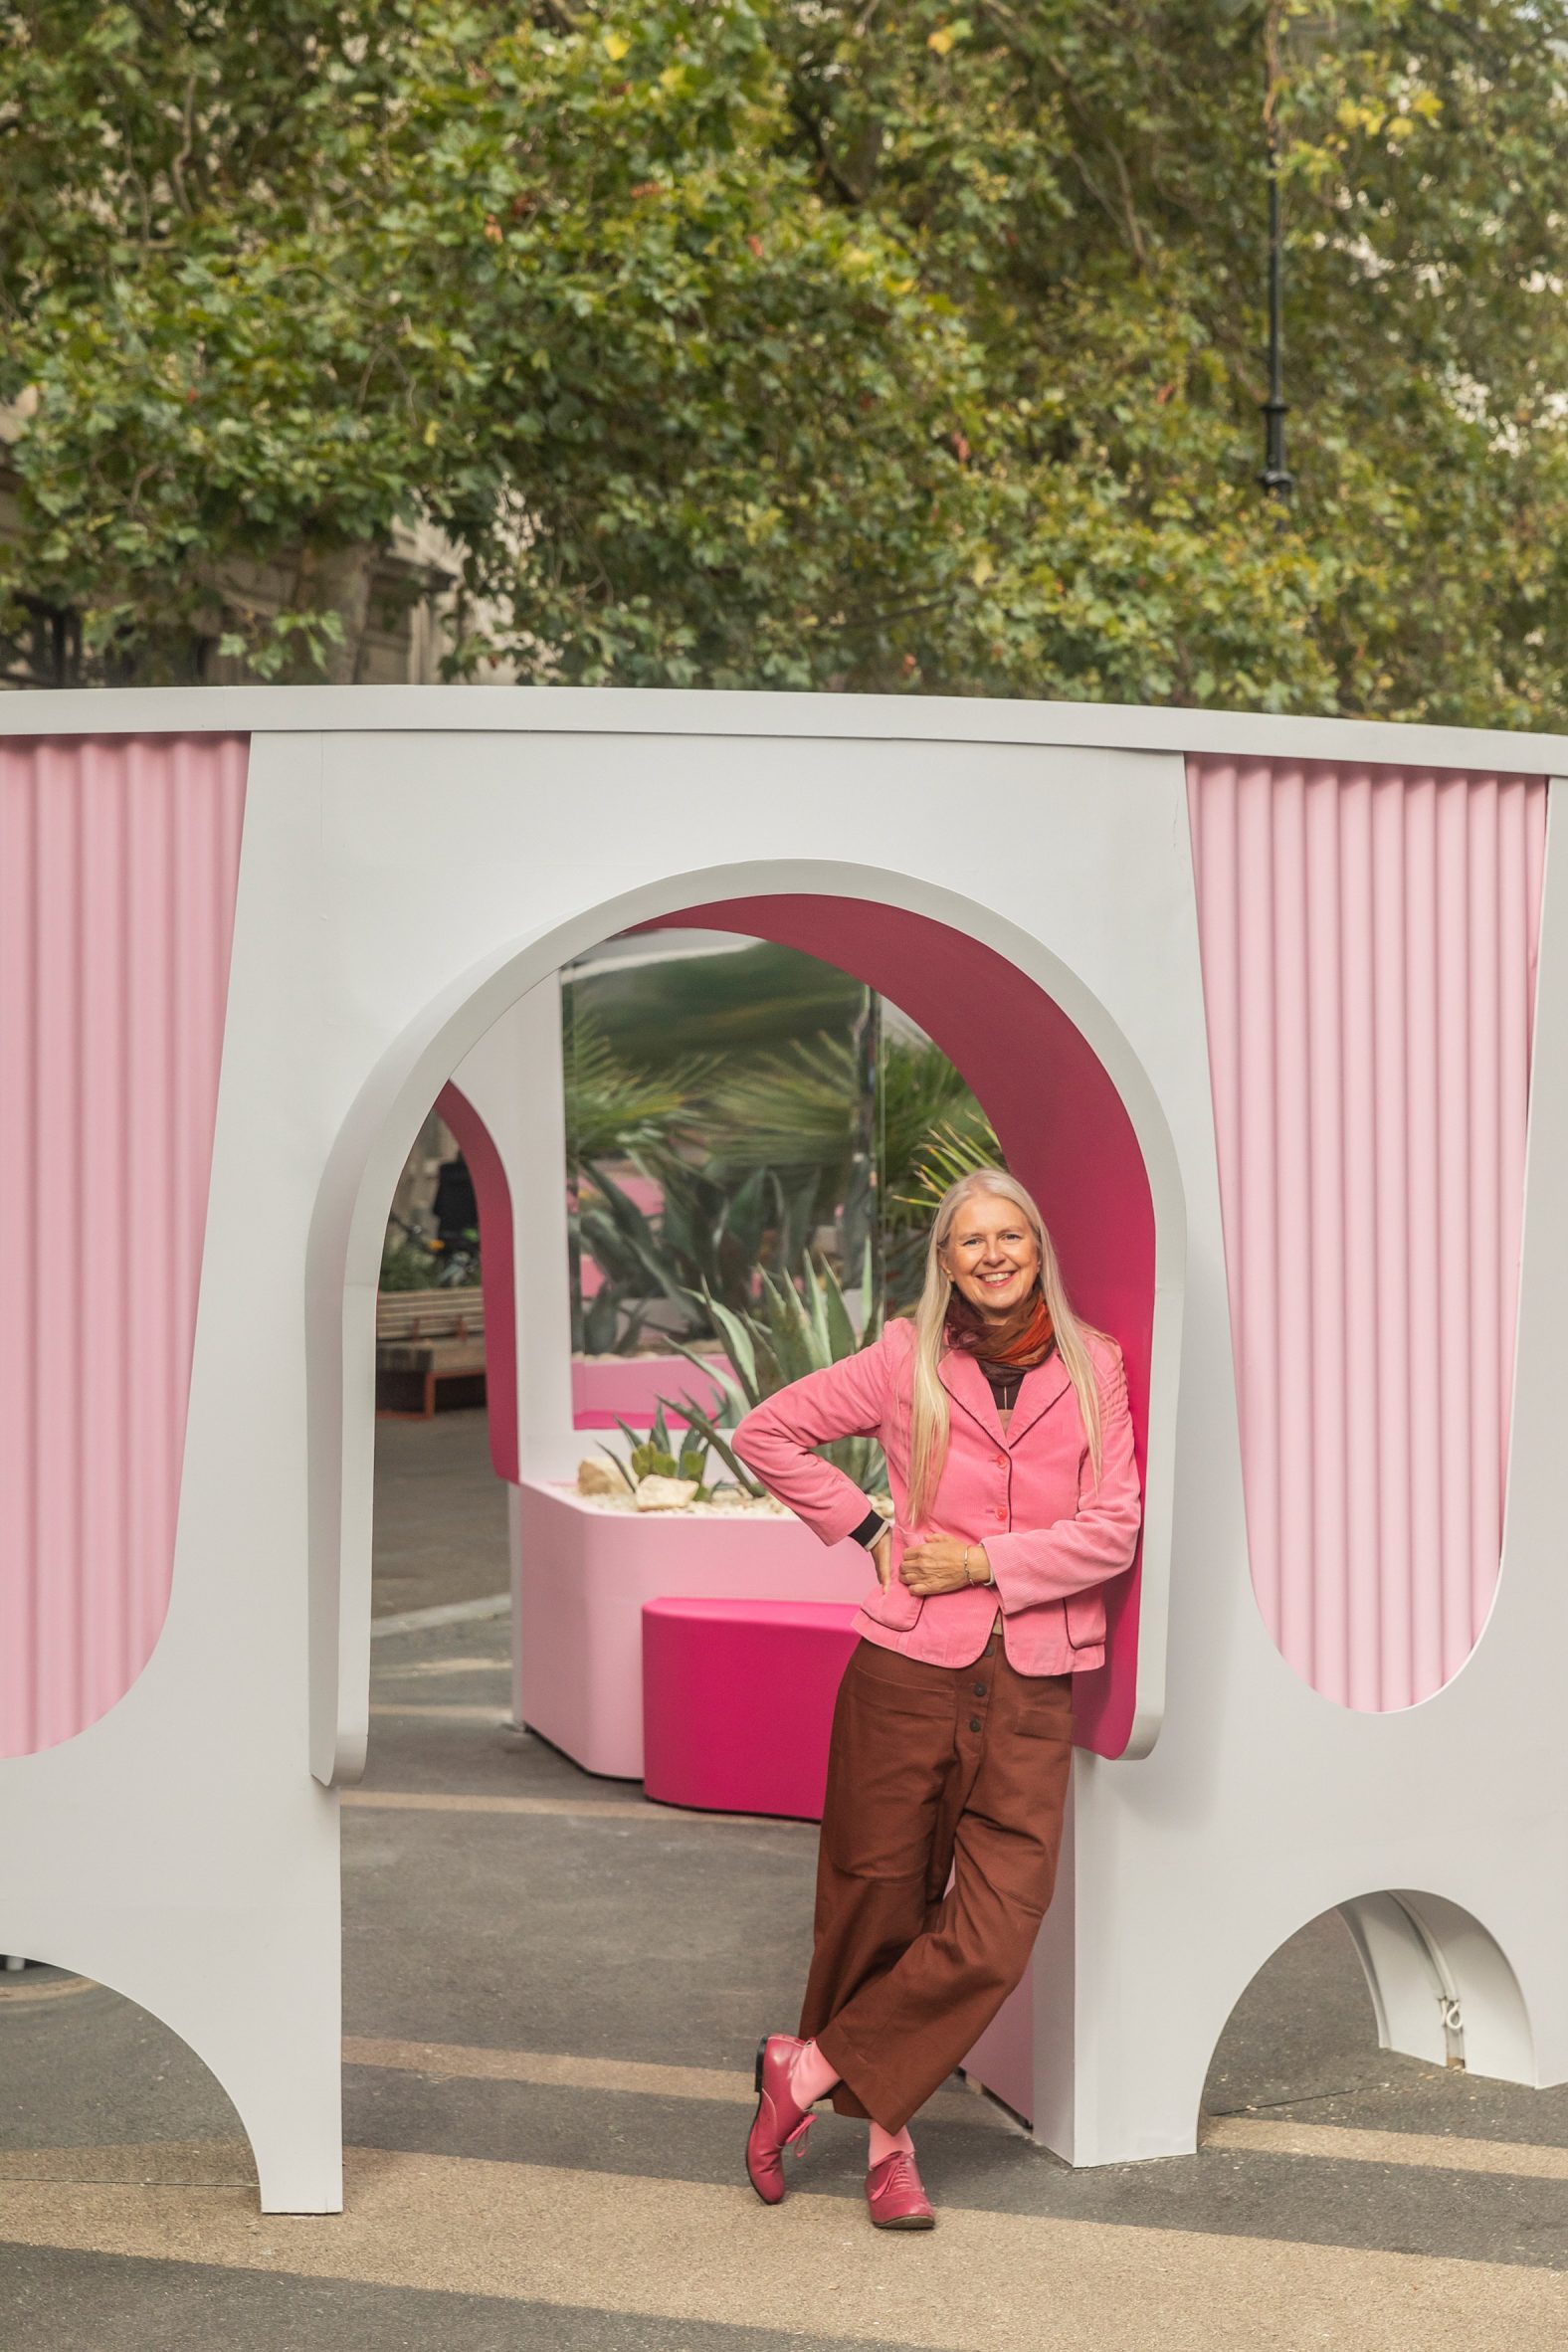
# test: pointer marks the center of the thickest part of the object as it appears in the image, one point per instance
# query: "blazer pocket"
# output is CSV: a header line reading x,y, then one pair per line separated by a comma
x,y
897,1608
1085,1618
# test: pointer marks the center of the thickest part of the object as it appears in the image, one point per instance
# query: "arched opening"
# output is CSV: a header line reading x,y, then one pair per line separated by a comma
x,y
1063,1123
1074,1109
1442,1987
99,2088
1062,1109
1383,1993
1302,2028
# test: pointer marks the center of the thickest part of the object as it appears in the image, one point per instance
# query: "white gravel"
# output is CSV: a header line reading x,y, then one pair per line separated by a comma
x,y
743,1505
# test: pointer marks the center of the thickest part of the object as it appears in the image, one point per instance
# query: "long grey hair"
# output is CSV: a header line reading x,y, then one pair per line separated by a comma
x,y
928,1410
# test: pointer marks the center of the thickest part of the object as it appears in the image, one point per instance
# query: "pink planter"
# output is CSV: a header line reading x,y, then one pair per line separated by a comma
x,y
631,1386
717,1676
580,1577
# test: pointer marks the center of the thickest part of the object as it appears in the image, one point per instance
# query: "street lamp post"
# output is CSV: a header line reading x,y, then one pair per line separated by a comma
x,y
1275,476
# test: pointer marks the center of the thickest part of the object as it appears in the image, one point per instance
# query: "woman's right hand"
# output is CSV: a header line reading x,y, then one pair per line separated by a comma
x,y
882,1557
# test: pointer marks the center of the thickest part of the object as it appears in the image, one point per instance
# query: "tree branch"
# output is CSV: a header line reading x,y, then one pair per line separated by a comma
x,y
183,154
812,127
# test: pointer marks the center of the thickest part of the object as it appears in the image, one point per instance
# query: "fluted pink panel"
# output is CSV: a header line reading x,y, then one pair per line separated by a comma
x,y
118,864
1369,943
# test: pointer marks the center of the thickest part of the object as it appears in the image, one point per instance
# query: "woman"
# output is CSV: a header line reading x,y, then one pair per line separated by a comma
x,y
1008,1445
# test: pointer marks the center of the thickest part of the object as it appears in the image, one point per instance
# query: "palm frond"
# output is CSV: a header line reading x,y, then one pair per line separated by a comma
x,y
790,1110
614,1109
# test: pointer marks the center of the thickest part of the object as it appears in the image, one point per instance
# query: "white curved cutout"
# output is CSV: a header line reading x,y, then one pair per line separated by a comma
x,y
1442,1987
1443,1991
199,2017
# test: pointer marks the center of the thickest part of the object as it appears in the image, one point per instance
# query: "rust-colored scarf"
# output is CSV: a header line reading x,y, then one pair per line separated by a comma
x,y
1015,1345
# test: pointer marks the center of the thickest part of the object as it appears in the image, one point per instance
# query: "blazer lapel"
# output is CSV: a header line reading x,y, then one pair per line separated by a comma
x,y
969,1388
1038,1392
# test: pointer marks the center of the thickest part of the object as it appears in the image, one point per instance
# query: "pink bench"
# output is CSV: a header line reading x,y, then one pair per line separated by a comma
x,y
713,1673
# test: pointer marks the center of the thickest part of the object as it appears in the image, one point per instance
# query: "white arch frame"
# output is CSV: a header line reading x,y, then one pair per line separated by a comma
x,y
368,1155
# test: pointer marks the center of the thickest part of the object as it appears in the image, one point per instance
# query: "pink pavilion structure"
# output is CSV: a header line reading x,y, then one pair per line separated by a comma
x,y
1273,1015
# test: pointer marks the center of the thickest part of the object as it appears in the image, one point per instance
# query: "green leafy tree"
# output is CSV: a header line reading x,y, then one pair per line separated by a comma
x,y
1087,184
278,278
811,346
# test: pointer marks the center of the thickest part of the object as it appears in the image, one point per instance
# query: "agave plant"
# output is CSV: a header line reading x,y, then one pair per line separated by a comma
x,y
790,1333
612,1230
707,1237
717,1232
612,1319
654,1454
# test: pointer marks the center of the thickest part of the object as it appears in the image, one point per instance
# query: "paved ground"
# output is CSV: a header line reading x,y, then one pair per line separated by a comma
x,y
552,1994
441,1514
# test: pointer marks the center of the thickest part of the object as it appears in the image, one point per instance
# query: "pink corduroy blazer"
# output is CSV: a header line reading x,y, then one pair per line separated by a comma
x,y
1052,1537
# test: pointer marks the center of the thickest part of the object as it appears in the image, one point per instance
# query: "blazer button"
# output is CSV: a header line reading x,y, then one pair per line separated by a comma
x,y
1001,1511
1001,1461
979,1691
974,1723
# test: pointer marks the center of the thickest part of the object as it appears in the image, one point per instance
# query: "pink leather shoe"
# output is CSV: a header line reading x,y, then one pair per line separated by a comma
x,y
895,2195
778,2123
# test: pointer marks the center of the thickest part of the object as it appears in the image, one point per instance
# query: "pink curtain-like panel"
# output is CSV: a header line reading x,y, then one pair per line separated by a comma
x,y
119,866
1369,940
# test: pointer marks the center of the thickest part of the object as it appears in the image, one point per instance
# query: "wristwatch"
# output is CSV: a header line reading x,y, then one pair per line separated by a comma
x,y
869,1529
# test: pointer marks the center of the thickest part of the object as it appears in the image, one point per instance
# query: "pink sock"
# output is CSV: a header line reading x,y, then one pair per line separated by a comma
x,y
887,2143
811,2076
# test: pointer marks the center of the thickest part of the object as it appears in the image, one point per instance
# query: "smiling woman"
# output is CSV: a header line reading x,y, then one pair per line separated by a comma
x,y
1009,1444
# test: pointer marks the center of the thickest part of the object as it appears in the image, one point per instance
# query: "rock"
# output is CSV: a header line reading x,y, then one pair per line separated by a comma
x,y
599,1477
663,1494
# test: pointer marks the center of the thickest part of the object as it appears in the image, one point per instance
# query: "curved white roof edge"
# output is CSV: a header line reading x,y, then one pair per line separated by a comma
x,y
667,710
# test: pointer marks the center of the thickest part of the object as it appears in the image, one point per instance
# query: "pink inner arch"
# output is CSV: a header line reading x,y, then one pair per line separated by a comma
x,y
1062,1128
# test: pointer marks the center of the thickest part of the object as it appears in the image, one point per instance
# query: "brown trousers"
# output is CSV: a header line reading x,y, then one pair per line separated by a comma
x,y
930,1768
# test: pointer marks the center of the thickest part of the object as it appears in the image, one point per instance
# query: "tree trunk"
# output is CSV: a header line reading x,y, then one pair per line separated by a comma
x,y
338,580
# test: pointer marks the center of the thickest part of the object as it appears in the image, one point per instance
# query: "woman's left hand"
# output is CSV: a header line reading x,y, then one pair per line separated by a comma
x,y
937,1566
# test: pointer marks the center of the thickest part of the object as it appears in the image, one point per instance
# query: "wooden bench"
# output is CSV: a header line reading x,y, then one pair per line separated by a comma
x,y
426,1339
